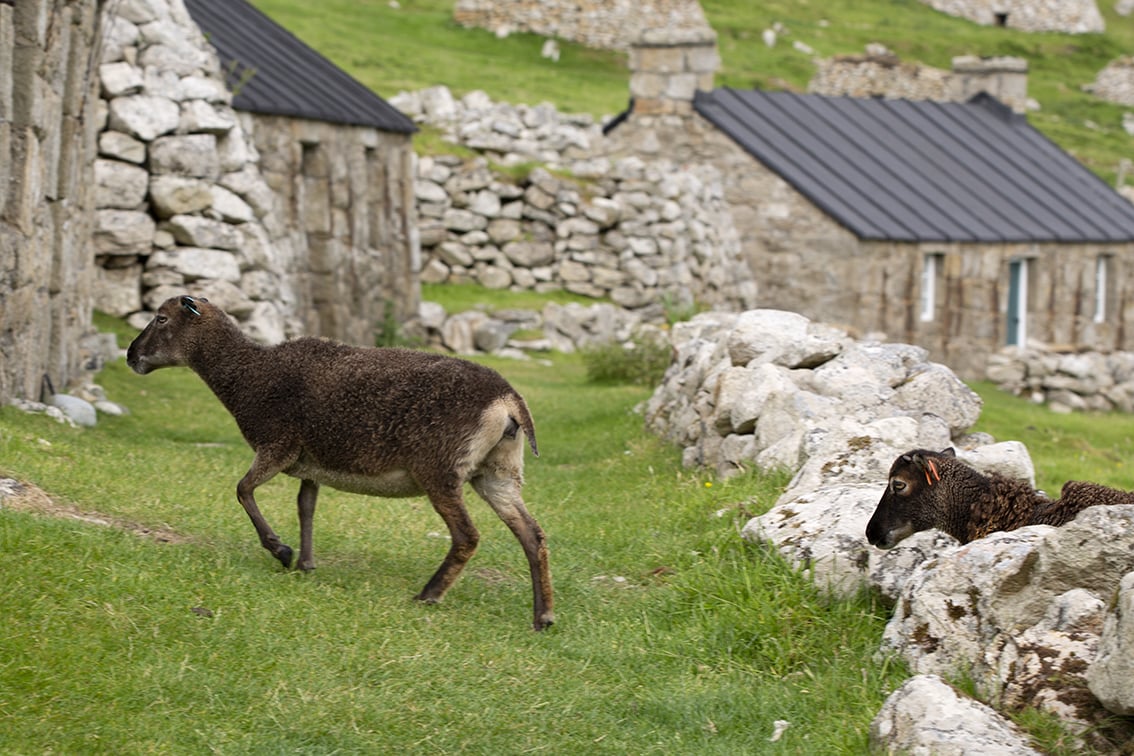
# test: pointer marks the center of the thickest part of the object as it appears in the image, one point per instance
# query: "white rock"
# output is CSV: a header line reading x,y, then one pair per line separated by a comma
x,y
195,263
1110,676
926,716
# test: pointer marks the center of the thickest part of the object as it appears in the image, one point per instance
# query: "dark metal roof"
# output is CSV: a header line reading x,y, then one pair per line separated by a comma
x,y
287,77
923,171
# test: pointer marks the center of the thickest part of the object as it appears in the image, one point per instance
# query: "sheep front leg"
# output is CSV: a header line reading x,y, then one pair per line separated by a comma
x,y
451,507
258,474
308,492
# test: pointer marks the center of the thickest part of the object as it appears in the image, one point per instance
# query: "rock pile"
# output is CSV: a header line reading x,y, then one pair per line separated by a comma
x,y
642,234
1025,613
181,204
770,388
1066,382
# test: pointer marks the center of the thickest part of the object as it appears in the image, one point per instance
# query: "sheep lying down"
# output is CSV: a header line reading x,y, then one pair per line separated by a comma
x,y
929,489
381,422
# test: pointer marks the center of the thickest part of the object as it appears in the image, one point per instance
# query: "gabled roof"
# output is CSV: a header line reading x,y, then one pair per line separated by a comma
x,y
287,77
923,171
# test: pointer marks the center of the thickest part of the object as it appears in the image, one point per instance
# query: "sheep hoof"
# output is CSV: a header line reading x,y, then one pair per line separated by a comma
x,y
544,622
284,554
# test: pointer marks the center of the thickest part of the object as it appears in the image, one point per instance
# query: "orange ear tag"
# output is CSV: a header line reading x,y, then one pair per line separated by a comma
x,y
932,469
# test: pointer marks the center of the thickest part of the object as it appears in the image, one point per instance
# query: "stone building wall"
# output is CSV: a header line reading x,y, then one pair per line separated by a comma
x,y
292,226
47,132
345,196
1071,16
605,24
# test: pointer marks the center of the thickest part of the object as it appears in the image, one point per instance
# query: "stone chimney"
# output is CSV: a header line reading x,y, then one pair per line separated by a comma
x,y
667,66
1004,78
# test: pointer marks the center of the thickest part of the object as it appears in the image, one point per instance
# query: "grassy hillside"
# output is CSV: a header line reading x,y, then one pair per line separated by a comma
x,y
417,45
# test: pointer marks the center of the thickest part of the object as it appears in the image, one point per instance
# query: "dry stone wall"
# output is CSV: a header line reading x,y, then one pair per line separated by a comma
x,y
643,233
1066,381
605,24
47,134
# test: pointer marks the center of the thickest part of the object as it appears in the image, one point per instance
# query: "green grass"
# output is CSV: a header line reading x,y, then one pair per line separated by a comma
x,y
418,45
464,297
674,636
1080,446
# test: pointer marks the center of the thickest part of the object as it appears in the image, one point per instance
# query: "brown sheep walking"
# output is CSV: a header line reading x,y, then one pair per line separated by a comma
x,y
930,489
381,422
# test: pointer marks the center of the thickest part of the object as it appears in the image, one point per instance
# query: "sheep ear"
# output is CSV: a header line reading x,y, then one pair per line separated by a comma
x,y
950,452
190,306
928,468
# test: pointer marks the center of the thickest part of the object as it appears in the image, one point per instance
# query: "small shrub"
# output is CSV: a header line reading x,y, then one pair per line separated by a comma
x,y
641,362
389,332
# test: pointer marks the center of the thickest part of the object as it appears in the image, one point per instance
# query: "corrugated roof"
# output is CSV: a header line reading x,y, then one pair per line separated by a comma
x,y
907,170
289,78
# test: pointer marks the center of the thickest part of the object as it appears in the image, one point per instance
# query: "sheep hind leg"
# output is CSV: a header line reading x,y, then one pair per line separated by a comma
x,y
464,539
502,492
305,503
261,472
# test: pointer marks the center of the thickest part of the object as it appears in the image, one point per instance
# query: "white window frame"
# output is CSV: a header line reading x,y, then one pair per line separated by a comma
x,y
1102,282
1021,313
931,265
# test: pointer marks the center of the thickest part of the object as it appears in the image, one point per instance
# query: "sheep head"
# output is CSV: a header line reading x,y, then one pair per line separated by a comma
x,y
166,341
913,499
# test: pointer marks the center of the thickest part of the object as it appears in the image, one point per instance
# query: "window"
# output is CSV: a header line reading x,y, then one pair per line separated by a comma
x,y
931,268
1102,284
1018,302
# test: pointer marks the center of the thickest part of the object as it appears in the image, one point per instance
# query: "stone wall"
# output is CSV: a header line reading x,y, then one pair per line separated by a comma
x,y
884,75
1066,381
292,226
605,24
47,133
643,233
1071,16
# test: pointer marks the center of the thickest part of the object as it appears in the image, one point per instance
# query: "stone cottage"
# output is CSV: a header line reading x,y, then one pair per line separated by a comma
x,y
239,164
955,226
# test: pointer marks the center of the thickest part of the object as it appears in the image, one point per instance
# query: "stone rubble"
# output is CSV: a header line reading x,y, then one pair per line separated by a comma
x,y
1024,614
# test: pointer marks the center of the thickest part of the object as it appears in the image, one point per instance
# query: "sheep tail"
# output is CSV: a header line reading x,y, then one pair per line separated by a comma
x,y
524,418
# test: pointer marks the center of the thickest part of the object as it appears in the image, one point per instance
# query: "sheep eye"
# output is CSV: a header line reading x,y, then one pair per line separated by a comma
x,y
898,485
161,319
